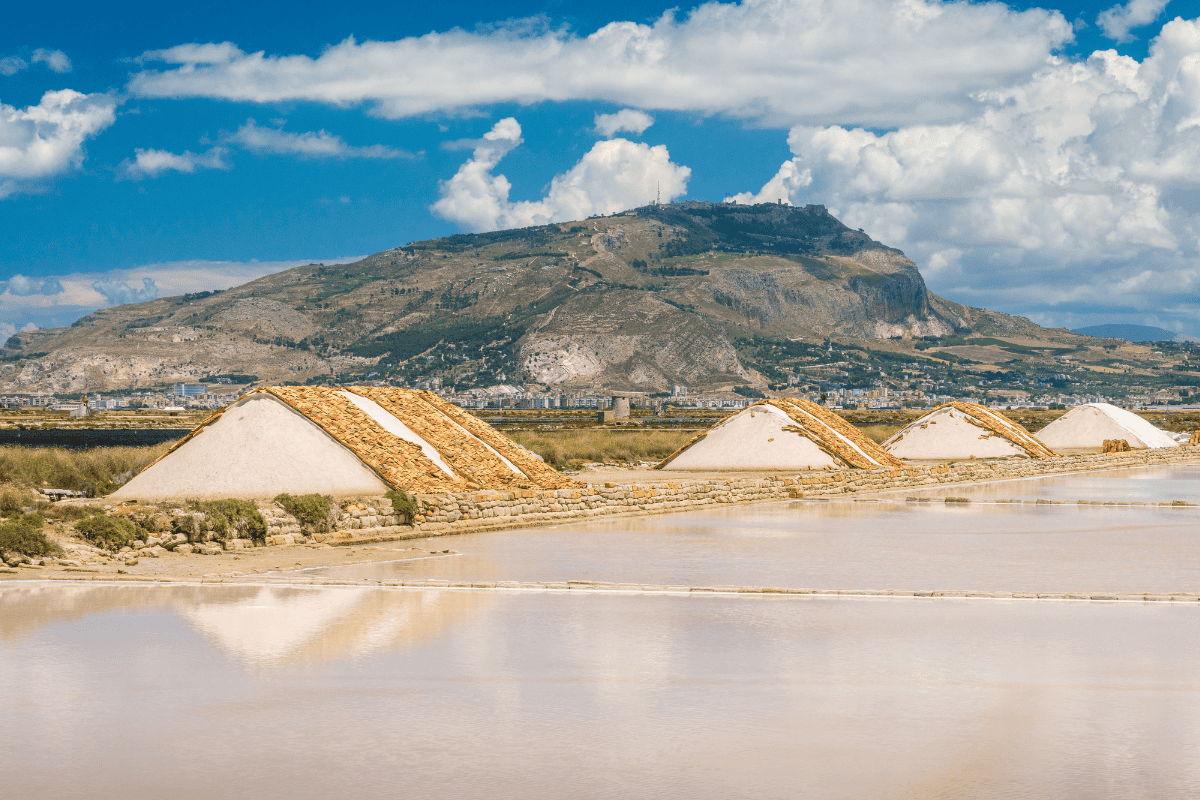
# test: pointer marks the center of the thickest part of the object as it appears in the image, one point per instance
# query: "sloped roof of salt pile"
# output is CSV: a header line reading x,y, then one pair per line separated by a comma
x,y
1086,427
964,430
785,433
345,441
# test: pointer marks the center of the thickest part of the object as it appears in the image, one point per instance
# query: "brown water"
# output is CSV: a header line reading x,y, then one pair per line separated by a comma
x,y
126,692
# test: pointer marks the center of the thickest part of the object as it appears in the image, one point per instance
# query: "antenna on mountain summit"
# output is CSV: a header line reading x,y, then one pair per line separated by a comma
x,y
658,196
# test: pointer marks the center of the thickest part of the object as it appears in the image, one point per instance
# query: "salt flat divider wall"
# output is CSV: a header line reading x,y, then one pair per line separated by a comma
x,y
371,519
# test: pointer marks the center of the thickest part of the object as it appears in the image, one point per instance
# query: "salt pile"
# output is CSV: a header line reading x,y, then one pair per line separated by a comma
x,y
780,434
1086,427
360,440
962,431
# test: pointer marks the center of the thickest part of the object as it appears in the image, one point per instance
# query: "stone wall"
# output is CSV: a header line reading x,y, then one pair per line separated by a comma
x,y
372,519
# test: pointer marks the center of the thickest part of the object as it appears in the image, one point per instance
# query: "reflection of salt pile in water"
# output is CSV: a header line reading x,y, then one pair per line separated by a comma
x,y
360,440
1086,427
288,625
964,430
780,434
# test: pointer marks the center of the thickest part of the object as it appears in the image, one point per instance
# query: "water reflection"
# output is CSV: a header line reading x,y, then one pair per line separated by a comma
x,y
643,696
843,545
256,625
290,625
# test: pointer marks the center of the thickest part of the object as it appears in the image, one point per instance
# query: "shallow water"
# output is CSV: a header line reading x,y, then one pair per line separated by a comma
x,y
304,692
199,692
977,546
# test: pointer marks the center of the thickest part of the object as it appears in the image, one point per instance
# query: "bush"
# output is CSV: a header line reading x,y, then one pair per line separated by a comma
x,y
237,516
97,471
62,511
312,510
13,499
403,505
111,533
23,534
572,447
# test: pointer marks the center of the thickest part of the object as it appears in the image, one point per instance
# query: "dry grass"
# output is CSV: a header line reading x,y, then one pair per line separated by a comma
x,y
879,433
96,471
572,447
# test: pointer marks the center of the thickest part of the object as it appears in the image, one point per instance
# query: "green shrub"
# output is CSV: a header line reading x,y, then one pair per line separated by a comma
x,y
111,533
312,510
23,534
61,511
403,505
224,517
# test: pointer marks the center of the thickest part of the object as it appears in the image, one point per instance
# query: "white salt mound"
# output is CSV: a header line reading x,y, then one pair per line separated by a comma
x,y
1086,427
948,433
259,448
753,439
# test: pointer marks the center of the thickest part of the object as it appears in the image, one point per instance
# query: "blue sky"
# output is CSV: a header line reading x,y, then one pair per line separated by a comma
x,y
1041,160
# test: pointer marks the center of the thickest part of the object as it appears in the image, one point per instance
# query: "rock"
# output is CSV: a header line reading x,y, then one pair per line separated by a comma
x,y
131,562
185,549
69,562
137,544
153,541
210,549
153,552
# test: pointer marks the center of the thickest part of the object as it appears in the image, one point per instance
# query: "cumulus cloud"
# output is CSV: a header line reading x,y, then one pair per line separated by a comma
x,y
117,292
22,286
614,175
312,144
153,163
627,119
56,60
1118,21
868,62
47,139
1076,188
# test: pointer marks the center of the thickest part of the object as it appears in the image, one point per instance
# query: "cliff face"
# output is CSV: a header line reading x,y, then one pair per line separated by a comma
x,y
644,300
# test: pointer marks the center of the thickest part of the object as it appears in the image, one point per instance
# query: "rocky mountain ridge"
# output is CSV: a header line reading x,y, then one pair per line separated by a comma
x,y
643,300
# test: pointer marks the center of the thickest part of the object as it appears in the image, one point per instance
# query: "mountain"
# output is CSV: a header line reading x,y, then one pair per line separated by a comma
x,y
657,296
1130,333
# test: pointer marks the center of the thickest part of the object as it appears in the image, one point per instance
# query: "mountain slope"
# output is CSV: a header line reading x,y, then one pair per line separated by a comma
x,y
642,300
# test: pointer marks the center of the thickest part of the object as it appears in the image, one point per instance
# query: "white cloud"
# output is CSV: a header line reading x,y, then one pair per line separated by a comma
x,y
11,65
23,286
319,144
83,293
627,119
1077,188
47,139
152,163
56,60
871,62
1116,22
614,175
117,292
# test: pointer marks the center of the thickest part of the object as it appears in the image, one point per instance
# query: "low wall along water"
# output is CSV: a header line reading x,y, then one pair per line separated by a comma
x,y
367,520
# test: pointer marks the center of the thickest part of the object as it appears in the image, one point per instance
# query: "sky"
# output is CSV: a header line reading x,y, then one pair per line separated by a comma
x,y
1041,160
